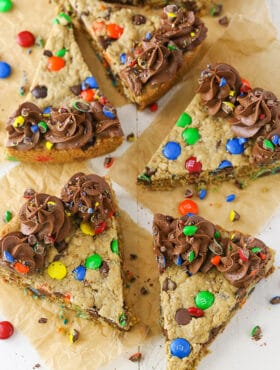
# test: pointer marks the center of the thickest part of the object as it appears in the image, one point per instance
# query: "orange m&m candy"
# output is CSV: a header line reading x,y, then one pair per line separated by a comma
x,y
187,206
22,269
114,31
55,63
87,95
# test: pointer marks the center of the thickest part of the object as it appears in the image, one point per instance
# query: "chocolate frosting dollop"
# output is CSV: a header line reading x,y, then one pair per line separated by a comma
x,y
89,197
69,128
158,59
257,109
105,126
215,86
17,245
194,253
44,216
21,136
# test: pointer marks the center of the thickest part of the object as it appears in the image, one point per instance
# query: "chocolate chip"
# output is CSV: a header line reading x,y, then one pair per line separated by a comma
x,y
47,53
133,256
39,92
218,144
216,10
60,246
144,291
104,269
188,193
275,300
43,320
104,41
138,19
224,21
182,316
76,89
168,284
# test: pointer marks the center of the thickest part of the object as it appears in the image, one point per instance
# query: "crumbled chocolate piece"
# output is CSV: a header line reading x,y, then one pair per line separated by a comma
x,y
188,193
76,89
218,144
39,92
217,10
224,21
36,366
43,320
138,19
60,246
47,53
144,291
104,269
28,193
182,316
256,333
136,357
108,162
75,334
149,171
130,137
32,240
104,41
168,284
133,256
275,300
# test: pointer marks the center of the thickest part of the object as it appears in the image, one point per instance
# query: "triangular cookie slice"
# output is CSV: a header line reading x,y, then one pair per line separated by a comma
x,y
206,274
146,53
65,115
68,250
229,131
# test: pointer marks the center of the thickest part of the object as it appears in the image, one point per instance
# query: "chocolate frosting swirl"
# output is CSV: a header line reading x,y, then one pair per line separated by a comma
x,y
22,137
157,60
196,251
257,109
18,246
105,126
69,128
44,216
214,91
89,197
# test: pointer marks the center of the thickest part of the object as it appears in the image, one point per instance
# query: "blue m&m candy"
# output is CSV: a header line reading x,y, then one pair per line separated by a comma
x,y
148,36
8,257
123,58
5,70
109,112
224,164
79,272
89,83
179,261
223,82
180,348
171,150
236,145
275,139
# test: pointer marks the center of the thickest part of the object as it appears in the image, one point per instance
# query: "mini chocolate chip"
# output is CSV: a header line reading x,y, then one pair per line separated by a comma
x,y
104,41
47,53
60,246
144,291
43,320
224,21
39,92
275,300
133,256
182,316
76,89
218,144
138,19
104,269
168,284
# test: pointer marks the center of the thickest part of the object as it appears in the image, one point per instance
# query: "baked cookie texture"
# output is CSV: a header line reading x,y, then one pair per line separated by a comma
x,y
145,52
65,116
69,250
229,131
206,275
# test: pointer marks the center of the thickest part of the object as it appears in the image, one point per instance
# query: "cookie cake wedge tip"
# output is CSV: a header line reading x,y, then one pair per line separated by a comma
x,y
206,275
145,52
65,116
229,131
68,250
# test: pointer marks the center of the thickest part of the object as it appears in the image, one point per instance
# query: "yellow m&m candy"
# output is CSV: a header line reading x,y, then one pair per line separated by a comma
x,y
57,270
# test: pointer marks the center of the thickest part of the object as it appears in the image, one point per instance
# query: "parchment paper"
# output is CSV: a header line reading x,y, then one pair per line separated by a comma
x,y
98,345
250,47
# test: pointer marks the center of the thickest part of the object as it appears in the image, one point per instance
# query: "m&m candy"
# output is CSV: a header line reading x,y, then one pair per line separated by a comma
x,y
6,329
25,39
204,299
93,262
187,206
5,6
5,70
180,348
57,270
171,150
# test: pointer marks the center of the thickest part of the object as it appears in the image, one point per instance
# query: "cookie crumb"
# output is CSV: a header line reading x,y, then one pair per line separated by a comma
x,y
136,357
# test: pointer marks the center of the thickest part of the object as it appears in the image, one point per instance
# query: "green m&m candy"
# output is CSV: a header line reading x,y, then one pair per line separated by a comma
x,y
189,230
115,246
93,262
191,135
5,6
184,120
204,299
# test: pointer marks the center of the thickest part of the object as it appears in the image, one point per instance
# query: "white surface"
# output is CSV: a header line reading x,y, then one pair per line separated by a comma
x,y
233,350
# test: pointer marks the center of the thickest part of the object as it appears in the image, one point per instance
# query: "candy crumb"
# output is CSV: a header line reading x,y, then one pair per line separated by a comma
x,y
136,357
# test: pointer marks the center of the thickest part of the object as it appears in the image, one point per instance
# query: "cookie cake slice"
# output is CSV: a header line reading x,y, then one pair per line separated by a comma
x,y
229,131
68,250
65,116
206,275
146,53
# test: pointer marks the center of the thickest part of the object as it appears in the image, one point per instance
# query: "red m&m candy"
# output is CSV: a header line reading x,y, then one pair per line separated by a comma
x,y
192,165
25,39
6,329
